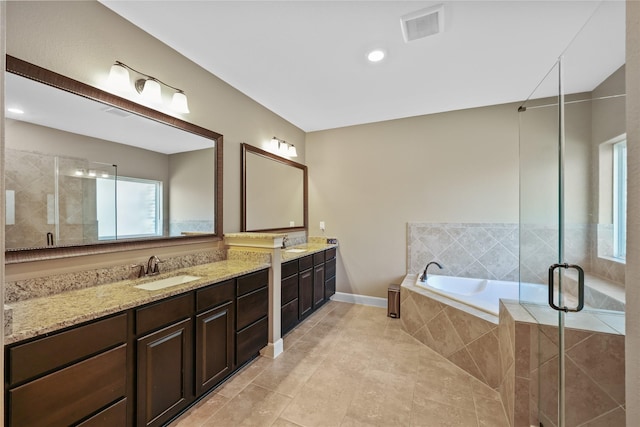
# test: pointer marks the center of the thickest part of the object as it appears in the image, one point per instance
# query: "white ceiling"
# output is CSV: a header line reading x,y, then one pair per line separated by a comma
x,y
305,60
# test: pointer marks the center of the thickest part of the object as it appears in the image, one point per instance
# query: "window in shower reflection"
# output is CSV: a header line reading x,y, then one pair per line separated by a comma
x,y
612,228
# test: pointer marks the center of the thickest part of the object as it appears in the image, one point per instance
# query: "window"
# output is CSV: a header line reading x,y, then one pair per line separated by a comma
x,y
620,199
128,208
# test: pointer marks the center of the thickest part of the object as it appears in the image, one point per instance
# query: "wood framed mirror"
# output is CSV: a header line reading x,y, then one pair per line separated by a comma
x,y
183,160
274,192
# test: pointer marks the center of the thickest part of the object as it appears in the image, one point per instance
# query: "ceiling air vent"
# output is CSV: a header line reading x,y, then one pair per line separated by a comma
x,y
423,23
117,112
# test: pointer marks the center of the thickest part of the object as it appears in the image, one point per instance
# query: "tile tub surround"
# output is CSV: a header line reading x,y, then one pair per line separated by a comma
x,y
594,371
465,336
38,316
39,287
503,353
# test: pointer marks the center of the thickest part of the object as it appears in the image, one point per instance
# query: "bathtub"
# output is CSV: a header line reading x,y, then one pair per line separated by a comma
x,y
483,294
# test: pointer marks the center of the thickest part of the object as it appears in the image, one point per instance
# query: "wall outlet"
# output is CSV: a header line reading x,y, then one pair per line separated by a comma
x,y
322,225
292,223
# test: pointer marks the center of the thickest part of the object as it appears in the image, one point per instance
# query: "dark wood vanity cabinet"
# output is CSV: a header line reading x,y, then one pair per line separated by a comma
x,y
142,367
164,359
70,377
306,284
329,273
215,335
252,309
289,296
318,280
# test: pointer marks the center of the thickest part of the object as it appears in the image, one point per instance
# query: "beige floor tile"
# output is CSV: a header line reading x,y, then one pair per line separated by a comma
x,y
243,378
435,414
381,400
324,399
202,411
253,406
281,422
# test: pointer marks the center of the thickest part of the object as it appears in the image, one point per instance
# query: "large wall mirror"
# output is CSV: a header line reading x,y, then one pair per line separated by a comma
x,y
274,192
90,172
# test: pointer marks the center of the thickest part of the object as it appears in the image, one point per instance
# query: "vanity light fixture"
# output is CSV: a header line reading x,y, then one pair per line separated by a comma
x,y
147,86
282,148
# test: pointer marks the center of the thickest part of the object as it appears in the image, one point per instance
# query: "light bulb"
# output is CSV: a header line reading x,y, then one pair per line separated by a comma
x,y
119,78
179,103
151,91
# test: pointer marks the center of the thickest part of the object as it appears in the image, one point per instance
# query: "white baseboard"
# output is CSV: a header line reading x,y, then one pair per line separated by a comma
x,y
360,299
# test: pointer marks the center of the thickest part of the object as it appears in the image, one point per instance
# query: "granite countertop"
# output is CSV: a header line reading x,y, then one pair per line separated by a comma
x,y
299,251
40,316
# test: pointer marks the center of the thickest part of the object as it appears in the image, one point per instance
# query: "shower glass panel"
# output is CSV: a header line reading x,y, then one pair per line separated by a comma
x,y
572,207
53,199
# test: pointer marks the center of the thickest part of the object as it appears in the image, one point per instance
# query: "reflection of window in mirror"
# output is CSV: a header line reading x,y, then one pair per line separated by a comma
x,y
138,208
612,195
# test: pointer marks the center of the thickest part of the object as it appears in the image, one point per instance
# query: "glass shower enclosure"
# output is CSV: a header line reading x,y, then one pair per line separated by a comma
x,y
572,228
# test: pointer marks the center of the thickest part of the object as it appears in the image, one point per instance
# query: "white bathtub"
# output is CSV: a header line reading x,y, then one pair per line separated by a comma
x,y
483,294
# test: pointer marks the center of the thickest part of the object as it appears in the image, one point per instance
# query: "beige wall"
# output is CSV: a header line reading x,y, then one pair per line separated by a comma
x,y
191,185
82,39
366,182
632,341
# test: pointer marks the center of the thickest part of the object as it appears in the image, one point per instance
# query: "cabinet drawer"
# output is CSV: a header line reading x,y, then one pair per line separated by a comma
x,y
330,254
289,289
251,340
252,307
305,263
215,295
330,287
30,360
289,316
330,268
163,313
114,415
289,268
67,396
318,258
252,281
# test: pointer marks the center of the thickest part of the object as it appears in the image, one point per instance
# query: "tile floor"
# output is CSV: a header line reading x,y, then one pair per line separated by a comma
x,y
350,365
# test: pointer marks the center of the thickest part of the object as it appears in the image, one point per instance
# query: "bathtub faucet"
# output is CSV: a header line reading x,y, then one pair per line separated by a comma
x,y
423,276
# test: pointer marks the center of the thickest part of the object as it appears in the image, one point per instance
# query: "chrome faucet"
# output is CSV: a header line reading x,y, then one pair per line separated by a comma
x,y
152,265
423,276
285,239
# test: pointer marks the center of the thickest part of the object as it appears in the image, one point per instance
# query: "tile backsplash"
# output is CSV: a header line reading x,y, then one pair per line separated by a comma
x,y
484,251
19,290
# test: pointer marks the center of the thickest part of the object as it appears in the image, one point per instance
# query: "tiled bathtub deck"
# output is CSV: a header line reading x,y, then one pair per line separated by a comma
x,y
350,365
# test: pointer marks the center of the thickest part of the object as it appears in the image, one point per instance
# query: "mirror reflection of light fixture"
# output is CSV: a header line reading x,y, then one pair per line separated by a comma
x,y
148,87
282,148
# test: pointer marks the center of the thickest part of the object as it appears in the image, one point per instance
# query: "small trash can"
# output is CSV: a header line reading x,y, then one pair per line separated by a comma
x,y
393,303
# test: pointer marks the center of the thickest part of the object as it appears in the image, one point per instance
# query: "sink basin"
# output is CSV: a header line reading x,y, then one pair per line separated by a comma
x,y
295,250
166,283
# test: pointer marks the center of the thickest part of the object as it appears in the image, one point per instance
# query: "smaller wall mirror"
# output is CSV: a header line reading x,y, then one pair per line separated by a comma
x,y
274,192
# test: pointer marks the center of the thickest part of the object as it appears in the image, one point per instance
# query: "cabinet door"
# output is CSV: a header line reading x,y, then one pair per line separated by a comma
x,y
305,294
164,381
214,346
318,286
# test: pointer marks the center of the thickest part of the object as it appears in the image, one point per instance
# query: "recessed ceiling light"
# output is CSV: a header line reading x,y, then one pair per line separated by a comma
x,y
376,55
15,110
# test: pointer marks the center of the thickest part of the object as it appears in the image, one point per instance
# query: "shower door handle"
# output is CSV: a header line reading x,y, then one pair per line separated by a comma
x,y
552,269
